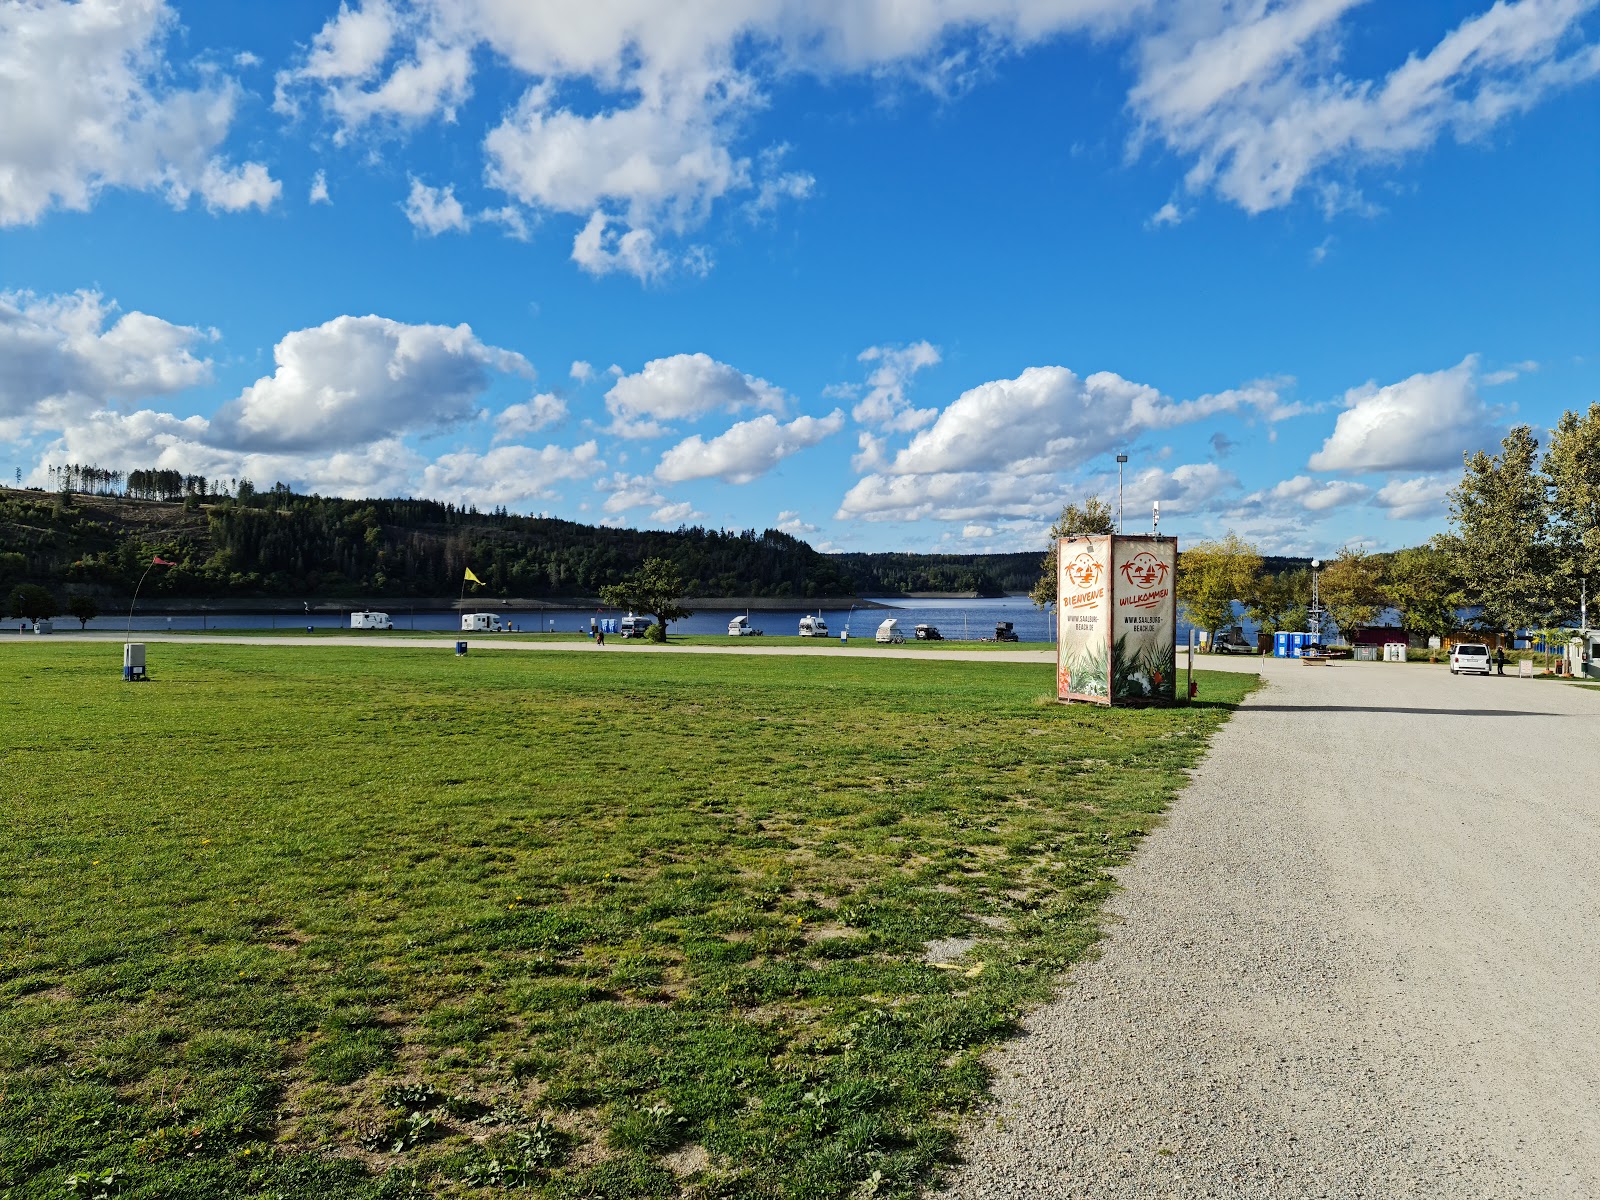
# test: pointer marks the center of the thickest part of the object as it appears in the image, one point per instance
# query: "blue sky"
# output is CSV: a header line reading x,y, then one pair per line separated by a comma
x,y
888,274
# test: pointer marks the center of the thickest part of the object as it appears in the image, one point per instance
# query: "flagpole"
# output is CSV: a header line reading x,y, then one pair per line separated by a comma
x,y
128,636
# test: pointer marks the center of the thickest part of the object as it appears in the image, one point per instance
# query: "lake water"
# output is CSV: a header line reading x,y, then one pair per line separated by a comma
x,y
958,620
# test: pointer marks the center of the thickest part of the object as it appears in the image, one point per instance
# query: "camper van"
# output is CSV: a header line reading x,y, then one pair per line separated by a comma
x,y
633,627
740,627
929,633
813,626
889,631
481,623
370,620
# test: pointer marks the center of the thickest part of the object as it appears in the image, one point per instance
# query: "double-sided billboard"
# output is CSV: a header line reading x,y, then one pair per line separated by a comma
x,y
1117,615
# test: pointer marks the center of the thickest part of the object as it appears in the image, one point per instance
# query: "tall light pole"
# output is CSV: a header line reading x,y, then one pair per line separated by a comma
x,y
1316,604
1121,459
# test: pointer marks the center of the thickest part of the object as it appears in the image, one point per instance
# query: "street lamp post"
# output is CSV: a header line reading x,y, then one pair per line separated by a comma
x,y
1316,603
1121,459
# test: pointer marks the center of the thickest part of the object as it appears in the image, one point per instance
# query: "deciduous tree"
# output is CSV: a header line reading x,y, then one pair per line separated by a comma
x,y
1572,468
1423,586
1281,601
32,601
1212,575
655,588
1351,589
1500,546
85,608
1092,516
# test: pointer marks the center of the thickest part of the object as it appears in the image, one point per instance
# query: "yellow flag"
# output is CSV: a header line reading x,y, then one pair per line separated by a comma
x,y
471,577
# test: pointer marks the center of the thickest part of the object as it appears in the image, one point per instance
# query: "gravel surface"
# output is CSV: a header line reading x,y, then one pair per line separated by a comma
x,y
1362,958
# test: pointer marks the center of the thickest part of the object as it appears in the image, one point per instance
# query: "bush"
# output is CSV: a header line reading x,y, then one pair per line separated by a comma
x,y
655,633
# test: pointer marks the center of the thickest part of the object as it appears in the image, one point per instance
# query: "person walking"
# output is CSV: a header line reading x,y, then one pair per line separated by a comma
x,y
1500,660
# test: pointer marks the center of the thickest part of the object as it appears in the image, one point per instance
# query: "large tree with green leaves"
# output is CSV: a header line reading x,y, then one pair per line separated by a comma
x,y
655,589
1351,589
85,608
1212,575
1076,520
1279,602
33,602
1422,585
1500,545
1572,469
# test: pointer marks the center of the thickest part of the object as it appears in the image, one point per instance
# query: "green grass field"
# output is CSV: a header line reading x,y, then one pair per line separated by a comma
x,y
327,922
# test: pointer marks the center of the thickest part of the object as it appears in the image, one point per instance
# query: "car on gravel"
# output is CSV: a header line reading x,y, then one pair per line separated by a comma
x,y
1470,658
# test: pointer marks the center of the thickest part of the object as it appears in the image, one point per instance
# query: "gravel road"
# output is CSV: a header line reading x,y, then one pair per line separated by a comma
x,y
1361,959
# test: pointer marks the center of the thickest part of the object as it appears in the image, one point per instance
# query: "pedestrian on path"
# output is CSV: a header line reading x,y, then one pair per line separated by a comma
x,y
1500,660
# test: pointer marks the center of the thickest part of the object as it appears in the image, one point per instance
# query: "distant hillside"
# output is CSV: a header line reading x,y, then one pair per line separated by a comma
x,y
281,544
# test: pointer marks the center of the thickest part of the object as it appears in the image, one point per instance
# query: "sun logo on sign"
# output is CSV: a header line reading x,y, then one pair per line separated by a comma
x,y
1145,570
1083,571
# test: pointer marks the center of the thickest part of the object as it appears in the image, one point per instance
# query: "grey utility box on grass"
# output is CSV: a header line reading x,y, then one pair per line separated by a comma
x,y
133,661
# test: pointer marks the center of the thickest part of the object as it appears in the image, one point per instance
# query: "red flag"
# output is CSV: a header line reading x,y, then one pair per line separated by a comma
x,y
161,562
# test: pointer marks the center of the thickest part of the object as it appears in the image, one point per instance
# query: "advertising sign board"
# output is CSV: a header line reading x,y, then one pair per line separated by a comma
x,y
1117,619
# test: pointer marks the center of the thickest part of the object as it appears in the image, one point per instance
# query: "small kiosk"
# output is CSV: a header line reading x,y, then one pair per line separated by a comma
x,y
1117,619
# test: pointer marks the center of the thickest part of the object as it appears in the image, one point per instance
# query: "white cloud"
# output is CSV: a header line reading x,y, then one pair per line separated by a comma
x,y
684,387
1168,214
677,514
58,359
1507,374
747,450
435,210
1420,423
951,496
581,371
319,189
1048,419
354,380
1422,496
624,492
518,420
1254,94
602,250
88,105
974,532
511,475
1313,495
885,405
790,522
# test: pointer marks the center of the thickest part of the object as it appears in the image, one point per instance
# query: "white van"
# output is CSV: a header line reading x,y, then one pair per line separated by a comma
x,y
481,623
740,627
633,627
1470,658
370,620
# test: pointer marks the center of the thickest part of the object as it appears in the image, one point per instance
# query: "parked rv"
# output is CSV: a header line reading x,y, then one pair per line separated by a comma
x,y
481,623
889,631
813,626
370,620
740,627
929,633
633,627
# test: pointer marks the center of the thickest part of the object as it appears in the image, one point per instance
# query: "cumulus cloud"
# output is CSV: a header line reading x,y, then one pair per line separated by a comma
x,y
518,420
746,451
59,359
511,475
319,189
581,371
354,380
885,404
790,522
1421,423
435,210
1254,95
624,492
685,387
1421,496
88,104
1049,419
1313,495
679,513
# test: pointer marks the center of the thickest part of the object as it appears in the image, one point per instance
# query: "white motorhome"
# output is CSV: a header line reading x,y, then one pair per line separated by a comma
x,y
740,627
813,626
370,620
633,627
889,631
481,623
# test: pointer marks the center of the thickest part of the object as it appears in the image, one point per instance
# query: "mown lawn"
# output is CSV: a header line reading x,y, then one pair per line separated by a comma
x,y
324,921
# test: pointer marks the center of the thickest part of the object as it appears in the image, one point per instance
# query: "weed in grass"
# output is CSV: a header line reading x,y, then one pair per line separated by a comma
x,y
333,911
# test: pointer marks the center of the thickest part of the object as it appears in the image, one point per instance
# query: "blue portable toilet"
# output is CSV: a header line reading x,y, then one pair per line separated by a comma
x,y
1297,644
1280,645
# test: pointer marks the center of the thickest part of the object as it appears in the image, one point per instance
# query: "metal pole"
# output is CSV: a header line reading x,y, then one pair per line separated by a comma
x,y
1121,458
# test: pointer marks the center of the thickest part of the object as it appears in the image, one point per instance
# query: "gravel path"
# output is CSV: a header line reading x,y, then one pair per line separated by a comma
x,y
1362,958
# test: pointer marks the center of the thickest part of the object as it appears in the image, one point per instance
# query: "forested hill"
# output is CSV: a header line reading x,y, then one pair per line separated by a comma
x,y
278,543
